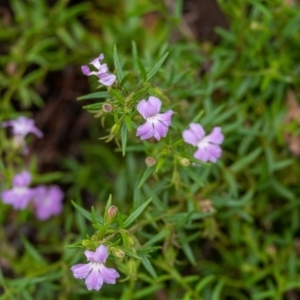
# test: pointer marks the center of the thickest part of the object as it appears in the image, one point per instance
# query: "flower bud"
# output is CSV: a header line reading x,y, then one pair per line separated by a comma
x,y
185,162
150,161
107,108
117,252
111,212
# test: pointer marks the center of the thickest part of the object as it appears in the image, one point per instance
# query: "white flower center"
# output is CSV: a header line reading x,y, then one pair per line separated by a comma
x,y
20,190
202,143
152,119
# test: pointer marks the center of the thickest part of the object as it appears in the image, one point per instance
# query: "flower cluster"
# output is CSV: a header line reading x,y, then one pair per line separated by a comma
x,y
102,71
94,272
21,127
47,201
157,126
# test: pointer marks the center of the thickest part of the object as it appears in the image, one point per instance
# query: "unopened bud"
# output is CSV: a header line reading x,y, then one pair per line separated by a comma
x,y
107,107
185,162
112,211
118,253
150,161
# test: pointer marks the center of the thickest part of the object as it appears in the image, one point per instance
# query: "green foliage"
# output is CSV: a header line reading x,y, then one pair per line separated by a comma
x,y
183,229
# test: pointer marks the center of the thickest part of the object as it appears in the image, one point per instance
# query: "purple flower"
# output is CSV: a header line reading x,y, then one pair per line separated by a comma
x,y
20,128
104,77
208,146
47,201
156,125
20,194
23,126
94,272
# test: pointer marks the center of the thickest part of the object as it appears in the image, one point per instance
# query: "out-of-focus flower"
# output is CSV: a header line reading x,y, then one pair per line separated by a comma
x,y
23,126
20,194
104,77
208,146
47,201
156,125
20,128
206,206
94,272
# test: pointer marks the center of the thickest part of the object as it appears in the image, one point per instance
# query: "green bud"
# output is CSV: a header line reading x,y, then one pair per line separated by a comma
x,y
150,161
184,162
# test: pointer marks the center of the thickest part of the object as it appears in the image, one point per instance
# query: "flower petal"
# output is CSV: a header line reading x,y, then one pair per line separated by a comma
x,y
101,254
22,179
86,70
103,69
107,79
80,271
149,108
214,151
216,136
160,130
94,280
202,154
165,117
145,131
97,61
109,274
47,201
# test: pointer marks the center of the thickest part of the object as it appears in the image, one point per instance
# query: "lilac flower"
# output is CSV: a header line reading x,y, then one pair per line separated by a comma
x,y
156,124
47,201
20,194
23,126
94,272
208,146
104,77
20,128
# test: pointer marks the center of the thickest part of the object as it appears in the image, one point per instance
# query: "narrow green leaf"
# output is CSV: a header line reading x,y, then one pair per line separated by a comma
x,y
95,106
204,282
189,253
217,292
136,213
117,95
148,266
118,66
34,254
96,95
155,69
246,160
140,92
108,204
86,214
129,253
134,55
145,176
142,70
158,237
124,138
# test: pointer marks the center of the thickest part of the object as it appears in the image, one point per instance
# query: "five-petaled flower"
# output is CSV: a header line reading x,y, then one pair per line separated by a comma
x,y
156,125
104,77
94,272
20,194
208,146
20,128
47,201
